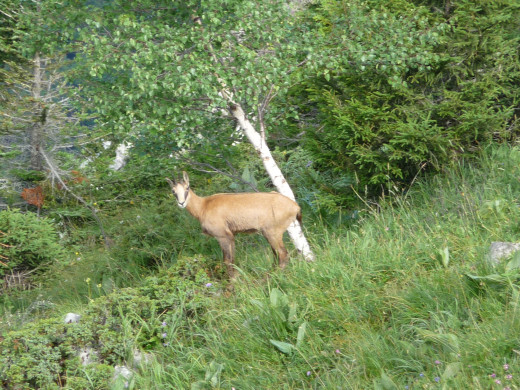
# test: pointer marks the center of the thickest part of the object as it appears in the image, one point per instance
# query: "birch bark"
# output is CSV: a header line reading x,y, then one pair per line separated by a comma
x,y
295,230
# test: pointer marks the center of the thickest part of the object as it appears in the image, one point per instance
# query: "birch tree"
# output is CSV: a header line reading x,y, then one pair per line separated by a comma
x,y
182,73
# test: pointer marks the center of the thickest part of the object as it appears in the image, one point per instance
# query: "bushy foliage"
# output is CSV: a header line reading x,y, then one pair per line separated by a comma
x,y
32,357
321,191
403,297
27,242
407,88
133,316
44,354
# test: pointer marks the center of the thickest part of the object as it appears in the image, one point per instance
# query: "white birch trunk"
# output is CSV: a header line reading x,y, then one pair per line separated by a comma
x,y
295,230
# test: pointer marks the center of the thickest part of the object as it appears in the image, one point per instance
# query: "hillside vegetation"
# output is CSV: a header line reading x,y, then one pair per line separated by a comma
x,y
393,122
400,297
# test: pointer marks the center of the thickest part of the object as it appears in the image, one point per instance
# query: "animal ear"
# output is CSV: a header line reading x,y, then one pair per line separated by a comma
x,y
185,178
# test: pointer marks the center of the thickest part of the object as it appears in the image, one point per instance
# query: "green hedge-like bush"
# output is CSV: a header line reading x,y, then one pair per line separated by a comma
x,y
27,242
408,88
44,354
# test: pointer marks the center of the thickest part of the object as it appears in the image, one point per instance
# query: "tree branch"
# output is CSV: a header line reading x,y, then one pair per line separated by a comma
x,y
55,174
209,168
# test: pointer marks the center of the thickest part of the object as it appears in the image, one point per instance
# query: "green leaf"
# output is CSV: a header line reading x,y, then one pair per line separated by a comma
x,y
258,303
514,263
451,370
301,334
293,307
249,177
448,341
327,75
276,297
200,385
492,280
213,373
283,347
444,256
384,383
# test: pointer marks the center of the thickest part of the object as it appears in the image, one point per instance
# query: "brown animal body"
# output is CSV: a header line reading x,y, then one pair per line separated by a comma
x,y
223,215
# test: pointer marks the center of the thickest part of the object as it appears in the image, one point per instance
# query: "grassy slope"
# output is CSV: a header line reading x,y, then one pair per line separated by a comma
x,y
379,303
386,305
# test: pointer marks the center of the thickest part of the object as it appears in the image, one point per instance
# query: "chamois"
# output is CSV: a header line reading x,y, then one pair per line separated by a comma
x,y
223,215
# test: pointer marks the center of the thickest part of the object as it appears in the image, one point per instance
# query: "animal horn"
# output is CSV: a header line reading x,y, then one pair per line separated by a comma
x,y
224,215
172,183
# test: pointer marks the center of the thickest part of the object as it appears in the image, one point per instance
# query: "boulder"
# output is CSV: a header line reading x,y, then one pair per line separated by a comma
x,y
123,374
72,318
501,250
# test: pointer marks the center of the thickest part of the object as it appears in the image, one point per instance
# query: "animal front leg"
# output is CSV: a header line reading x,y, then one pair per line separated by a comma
x,y
227,244
283,257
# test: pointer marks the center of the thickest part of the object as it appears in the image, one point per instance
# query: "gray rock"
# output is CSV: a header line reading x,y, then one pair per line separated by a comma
x,y
501,250
140,358
123,374
87,356
72,318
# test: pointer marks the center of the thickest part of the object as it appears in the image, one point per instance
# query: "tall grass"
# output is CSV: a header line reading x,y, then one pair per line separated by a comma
x,y
389,303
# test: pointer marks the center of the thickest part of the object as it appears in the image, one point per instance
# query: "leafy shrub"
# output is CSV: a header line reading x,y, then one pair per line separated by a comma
x,y
45,353
33,357
27,242
321,191
179,291
407,88
28,175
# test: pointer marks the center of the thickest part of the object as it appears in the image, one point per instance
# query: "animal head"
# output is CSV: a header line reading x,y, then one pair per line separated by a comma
x,y
181,189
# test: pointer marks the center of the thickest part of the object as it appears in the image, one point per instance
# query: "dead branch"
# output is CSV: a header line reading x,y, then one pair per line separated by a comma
x,y
55,174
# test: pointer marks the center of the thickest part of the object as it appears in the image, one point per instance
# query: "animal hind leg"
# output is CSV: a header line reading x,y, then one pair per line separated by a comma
x,y
276,242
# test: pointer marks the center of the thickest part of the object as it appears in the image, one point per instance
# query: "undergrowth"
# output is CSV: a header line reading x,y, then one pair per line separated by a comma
x,y
404,298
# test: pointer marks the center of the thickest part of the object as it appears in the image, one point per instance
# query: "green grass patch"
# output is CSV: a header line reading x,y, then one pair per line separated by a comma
x,y
404,298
